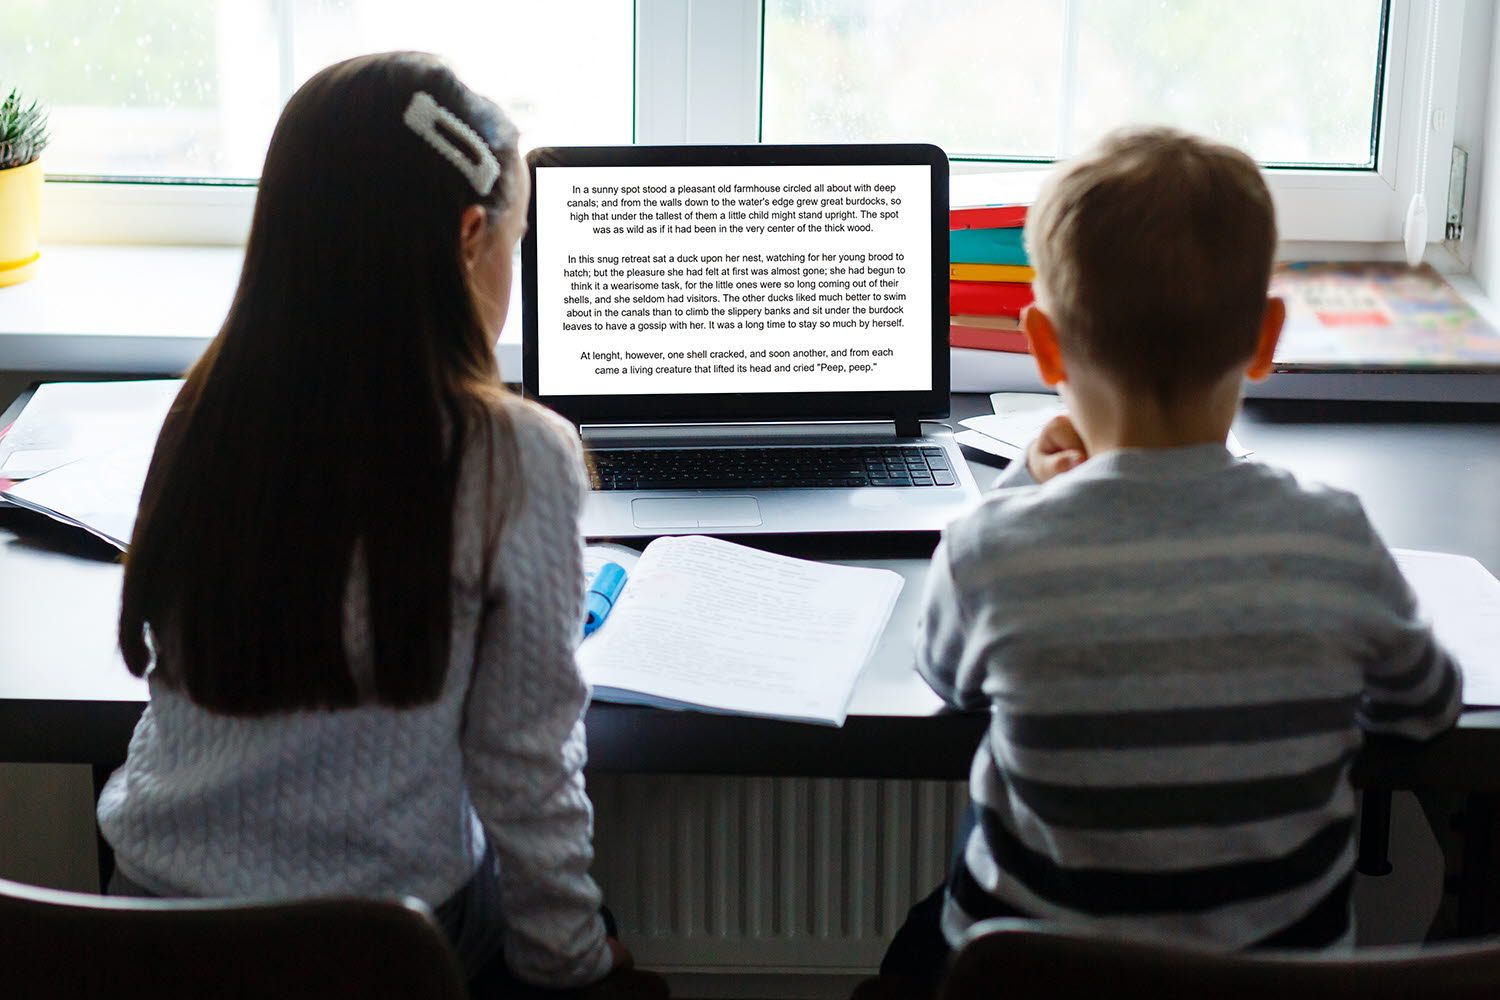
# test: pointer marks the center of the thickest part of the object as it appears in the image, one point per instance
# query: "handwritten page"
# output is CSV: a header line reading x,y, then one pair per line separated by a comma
x,y
595,556
1462,600
708,624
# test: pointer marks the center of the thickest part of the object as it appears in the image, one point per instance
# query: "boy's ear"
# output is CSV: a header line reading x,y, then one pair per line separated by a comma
x,y
1042,337
1271,323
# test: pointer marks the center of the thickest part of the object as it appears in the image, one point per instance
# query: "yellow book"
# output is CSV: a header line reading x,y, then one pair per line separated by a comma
x,y
990,272
985,322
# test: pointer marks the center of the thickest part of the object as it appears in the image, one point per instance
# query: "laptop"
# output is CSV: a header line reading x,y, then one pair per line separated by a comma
x,y
751,339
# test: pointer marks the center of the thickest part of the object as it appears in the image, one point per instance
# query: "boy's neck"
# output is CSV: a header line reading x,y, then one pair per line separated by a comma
x,y
1109,417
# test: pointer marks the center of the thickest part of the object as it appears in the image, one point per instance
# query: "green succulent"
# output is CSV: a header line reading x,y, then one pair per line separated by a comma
x,y
23,131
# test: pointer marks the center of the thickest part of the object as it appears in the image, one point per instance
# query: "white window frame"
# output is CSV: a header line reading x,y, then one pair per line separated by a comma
x,y
698,65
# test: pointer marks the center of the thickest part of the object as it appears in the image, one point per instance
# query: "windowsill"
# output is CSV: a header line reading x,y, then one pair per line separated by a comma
x,y
137,309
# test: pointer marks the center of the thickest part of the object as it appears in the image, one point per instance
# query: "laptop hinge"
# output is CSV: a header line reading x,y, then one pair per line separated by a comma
x,y
908,426
770,432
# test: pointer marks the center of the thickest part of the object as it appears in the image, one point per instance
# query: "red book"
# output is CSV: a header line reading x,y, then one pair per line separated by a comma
x,y
987,339
987,217
988,298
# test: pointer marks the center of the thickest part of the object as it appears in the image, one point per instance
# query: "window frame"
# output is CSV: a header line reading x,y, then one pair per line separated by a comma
x,y
698,80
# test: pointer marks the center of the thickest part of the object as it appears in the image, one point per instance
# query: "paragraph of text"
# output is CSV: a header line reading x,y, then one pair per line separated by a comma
x,y
725,291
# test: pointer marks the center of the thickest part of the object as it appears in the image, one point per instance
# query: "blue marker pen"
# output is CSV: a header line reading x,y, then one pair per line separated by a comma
x,y
603,592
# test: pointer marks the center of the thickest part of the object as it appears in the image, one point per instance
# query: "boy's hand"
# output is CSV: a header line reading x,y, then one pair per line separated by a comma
x,y
1056,449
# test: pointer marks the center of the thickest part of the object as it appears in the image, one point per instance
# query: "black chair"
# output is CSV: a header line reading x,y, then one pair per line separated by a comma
x,y
67,944
1018,960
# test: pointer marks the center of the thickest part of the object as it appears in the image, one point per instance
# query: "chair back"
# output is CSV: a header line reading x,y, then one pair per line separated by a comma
x,y
68,944
1018,960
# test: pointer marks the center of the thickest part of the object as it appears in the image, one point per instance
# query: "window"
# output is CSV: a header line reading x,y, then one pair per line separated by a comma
x,y
183,89
1329,93
1294,83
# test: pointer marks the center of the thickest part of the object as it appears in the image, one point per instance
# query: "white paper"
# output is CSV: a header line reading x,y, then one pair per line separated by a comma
x,y
1020,416
595,556
708,624
1462,600
99,494
23,463
989,445
66,421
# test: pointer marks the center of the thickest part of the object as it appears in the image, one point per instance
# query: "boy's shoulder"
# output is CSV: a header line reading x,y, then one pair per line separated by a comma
x,y
1071,510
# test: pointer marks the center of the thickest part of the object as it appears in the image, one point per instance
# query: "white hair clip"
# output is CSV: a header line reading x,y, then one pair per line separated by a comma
x,y
480,166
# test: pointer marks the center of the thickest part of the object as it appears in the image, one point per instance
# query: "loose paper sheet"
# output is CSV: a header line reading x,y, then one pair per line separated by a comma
x,y
1462,600
1020,416
99,494
66,421
990,446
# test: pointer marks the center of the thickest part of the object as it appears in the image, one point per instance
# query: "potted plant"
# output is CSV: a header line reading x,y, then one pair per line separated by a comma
x,y
23,136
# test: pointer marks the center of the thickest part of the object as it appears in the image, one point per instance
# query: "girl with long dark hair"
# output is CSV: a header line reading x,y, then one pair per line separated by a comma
x,y
355,582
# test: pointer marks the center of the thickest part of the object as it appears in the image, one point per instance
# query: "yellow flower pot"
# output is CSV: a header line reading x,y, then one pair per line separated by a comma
x,y
20,222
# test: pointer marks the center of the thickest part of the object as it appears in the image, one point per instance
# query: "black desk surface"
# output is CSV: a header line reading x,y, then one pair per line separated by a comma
x,y
1429,476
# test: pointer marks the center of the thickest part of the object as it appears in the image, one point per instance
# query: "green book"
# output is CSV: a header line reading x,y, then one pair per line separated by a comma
x,y
986,246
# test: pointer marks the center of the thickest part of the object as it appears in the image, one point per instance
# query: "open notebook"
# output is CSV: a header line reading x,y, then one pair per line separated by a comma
x,y
714,626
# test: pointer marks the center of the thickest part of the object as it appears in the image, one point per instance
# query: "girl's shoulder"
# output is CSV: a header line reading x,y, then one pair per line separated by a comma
x,y
522,478
539,429
516,430
507,417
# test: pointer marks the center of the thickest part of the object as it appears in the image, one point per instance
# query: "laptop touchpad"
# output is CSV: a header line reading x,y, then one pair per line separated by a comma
x,y
695,512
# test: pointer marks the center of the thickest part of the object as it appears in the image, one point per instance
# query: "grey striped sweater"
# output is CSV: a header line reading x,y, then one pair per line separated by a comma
x,y
1179,652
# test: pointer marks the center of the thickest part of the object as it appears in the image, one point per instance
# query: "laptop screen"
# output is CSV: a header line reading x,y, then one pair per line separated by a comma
x,y
689,281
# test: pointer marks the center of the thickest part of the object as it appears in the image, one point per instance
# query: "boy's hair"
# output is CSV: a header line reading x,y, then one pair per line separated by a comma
x,y
1153,254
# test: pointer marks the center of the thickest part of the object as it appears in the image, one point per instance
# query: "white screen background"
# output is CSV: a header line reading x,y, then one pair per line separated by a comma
x,y
706,279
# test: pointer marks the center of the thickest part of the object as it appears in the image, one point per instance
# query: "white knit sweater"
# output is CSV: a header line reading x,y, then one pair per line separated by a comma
x,y
381,801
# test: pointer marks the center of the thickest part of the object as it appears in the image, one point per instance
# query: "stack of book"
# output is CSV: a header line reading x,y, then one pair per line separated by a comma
x,y
989,277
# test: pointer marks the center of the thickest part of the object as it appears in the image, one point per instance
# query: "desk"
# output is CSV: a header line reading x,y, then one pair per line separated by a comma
x,y
66,697
1430,478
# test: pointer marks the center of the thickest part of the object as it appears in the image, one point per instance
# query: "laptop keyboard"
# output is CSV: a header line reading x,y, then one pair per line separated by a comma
x,y
770,468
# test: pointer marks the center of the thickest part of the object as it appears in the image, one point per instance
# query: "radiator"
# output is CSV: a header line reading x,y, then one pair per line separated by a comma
x,y
787,875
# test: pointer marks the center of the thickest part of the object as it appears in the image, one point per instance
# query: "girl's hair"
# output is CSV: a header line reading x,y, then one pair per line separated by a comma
x,y
331,411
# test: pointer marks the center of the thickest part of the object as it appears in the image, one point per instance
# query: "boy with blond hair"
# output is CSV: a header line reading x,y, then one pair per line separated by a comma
x,y
1179,650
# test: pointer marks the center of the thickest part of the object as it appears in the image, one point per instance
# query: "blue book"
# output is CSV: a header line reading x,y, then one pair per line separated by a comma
x,y
986,246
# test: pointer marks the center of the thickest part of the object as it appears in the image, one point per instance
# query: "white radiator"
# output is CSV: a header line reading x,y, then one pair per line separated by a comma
x,y
768,874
